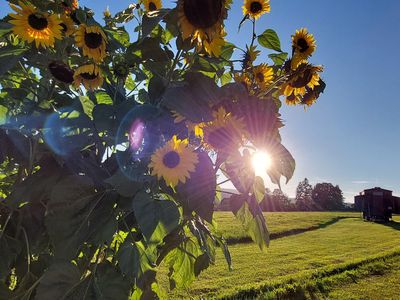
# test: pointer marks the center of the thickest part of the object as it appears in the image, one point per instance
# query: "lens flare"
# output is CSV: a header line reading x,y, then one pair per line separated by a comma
x,y
58,134
136,135
261,161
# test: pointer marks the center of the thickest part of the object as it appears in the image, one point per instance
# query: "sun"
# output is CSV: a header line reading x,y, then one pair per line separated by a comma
x,y
261,161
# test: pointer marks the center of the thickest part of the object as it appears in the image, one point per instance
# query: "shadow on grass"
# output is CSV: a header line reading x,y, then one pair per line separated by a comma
x,y
277,235
393,224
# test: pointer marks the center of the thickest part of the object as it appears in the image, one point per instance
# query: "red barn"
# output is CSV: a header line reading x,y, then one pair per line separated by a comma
x,y
377,204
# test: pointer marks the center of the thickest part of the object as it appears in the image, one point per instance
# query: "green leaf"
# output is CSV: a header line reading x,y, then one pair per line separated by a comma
x,y
259,189
151,19
5,28
3,114
269,39
227,51
156,218
109,283
198,193
9,251
103,98
249,213
87,105
156,88
132,259
200,94
181,262
124,185
58,281
283,163
77,213
9,56
226,78
278,58
37,187
104,117
119,35
202,262
152,51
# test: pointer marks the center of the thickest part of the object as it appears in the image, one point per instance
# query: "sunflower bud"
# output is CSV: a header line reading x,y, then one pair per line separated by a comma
x,y
61,72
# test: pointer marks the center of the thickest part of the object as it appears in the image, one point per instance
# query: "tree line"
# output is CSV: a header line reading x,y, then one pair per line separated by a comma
x,y
323,196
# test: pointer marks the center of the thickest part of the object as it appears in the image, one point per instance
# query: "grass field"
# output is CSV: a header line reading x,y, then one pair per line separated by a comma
x,y
279,223
339,250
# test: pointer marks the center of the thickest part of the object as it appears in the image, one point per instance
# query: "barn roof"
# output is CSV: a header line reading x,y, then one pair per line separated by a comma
x,y
377,189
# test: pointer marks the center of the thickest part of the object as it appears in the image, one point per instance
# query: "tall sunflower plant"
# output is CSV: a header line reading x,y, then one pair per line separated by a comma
x,y
115,143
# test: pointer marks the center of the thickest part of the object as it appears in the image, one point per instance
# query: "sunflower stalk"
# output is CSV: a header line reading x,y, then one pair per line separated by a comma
x,y
92,156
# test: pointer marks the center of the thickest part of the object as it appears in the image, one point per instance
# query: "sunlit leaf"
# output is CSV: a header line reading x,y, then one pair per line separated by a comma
x,y
3,114
156,218
269,39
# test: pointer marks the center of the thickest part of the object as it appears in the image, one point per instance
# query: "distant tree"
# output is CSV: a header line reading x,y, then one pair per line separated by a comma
x,y
304,200
326,196
276,201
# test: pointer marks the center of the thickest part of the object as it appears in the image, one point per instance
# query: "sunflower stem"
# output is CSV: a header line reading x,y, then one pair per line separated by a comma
x,y
226,192
222,182
254,33
28,253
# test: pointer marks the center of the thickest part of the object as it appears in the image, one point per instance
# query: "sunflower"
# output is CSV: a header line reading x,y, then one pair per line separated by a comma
x,y
250,56
310,97
152,5
256,8
88,75
70,6
309,78
225,132
196,128
201,19
92,40
33,25
212,47
263,75
61,71
68,26
174,162
293,99
303,44
243,79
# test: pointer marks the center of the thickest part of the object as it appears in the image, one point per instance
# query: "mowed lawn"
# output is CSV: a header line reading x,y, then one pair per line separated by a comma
x,y
378,286
277,222
295,256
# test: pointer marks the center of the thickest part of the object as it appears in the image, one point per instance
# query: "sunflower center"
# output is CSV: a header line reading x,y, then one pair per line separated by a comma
x,y
152,6
202,13
64,27
302,43
88,76
255,7
171,159
303,80
37,22
93,40
260,77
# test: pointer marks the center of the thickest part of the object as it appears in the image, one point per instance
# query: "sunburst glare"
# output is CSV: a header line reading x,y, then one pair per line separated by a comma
x,y
261,161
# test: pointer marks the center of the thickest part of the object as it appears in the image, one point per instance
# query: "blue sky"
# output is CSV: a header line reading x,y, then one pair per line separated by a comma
x,y
351,136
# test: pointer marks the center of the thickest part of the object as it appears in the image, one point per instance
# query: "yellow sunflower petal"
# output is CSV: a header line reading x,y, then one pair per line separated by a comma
x,y
256,8
173,162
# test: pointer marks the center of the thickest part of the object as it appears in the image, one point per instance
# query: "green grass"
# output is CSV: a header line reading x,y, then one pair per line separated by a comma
x,y
290,261
279,223
385,285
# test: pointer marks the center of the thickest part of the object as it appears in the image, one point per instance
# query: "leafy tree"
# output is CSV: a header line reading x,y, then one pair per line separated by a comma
x,y
326,196
304,200
276,201
111,141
